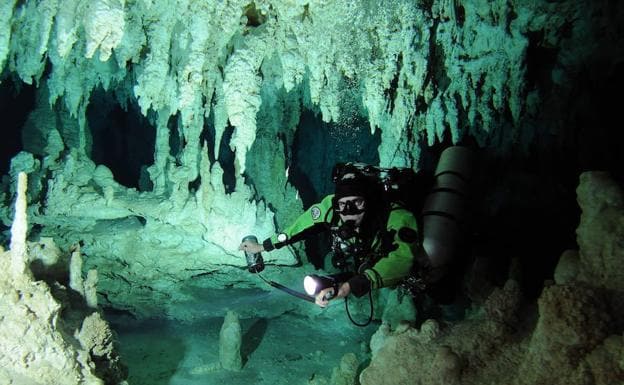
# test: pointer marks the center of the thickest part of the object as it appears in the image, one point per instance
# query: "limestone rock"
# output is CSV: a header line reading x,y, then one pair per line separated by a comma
x,y
96,337
573,321
400,360
600,236
31,342
446,368
378,339
76,282
36,346
19,228
567,269
230,340
346,372
606,363
398,307
90,288
47,261
502,307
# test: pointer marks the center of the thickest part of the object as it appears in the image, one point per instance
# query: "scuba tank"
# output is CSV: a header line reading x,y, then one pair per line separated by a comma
x,y
445,209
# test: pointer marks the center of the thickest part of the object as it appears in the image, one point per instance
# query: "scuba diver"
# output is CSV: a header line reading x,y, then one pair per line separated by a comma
x,y
374,239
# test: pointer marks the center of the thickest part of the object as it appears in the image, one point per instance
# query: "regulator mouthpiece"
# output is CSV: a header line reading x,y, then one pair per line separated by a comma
x,y
255,263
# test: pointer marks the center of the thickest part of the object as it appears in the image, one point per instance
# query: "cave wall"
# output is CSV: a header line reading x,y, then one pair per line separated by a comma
x,y
521,80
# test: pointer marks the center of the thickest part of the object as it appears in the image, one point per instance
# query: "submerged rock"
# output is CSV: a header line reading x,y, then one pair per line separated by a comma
x,y
571,337
230,341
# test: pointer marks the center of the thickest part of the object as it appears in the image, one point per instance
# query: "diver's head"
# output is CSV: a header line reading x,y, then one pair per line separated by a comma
x,y
350,198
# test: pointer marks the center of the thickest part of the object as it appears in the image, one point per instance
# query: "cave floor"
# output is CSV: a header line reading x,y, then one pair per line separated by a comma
x,y
287,350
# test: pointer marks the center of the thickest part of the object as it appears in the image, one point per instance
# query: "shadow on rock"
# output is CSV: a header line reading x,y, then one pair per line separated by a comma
x,y
252,338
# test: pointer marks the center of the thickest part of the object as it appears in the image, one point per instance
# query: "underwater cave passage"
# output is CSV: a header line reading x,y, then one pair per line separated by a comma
x,y
16,102
319,145
123,140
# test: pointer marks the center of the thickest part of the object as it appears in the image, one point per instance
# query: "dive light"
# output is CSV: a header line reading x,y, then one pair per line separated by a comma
x,y
255,263
314,284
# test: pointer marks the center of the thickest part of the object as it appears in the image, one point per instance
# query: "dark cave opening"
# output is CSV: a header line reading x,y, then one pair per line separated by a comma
x,y
207,137
318,146
596,118
226,160
17,100
540,61
123,139
175,138
524,216
225,156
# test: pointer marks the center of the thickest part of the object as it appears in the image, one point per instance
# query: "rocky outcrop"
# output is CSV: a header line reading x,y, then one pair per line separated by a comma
x,y
48,334
573,335
600,238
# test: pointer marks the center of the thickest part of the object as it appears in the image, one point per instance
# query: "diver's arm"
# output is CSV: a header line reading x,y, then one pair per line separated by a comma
x,y
393,268
312,220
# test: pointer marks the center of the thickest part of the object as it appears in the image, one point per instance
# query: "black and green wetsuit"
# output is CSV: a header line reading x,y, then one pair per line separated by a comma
x,y
390,252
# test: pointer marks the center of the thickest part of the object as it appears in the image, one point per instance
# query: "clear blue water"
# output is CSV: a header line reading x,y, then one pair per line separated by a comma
x,y
285,350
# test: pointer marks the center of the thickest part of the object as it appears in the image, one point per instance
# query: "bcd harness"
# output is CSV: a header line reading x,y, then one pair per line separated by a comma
x,y
352,252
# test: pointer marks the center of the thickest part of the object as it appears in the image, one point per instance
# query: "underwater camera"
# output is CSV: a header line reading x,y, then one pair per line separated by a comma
x,y
255,263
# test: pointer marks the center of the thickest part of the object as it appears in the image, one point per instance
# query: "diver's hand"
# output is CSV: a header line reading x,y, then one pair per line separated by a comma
x,y
324,296
251,247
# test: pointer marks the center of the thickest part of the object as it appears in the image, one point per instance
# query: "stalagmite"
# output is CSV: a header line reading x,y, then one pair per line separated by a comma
x,y
75,271
90,288
230,339
18,231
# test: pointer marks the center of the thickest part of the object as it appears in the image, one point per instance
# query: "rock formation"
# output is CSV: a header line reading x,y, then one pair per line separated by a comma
x,y
573,336
47,333
230,341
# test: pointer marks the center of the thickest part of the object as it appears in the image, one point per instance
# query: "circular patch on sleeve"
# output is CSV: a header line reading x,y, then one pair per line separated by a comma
x,y
316,212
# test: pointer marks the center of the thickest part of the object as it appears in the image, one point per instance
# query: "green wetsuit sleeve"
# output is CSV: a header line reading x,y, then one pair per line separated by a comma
x,y
318,214
391,269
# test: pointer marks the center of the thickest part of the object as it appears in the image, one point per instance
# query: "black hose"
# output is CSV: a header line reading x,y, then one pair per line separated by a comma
x,y
288,290
306,297
370,317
